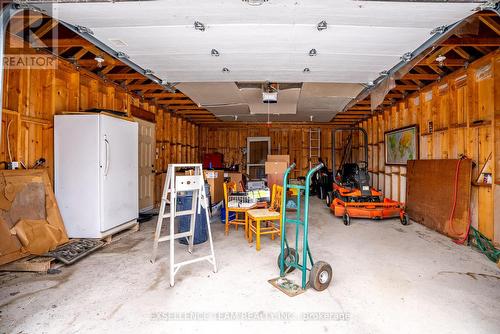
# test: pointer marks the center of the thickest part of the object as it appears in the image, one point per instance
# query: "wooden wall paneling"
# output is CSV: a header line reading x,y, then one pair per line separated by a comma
x,y
464,111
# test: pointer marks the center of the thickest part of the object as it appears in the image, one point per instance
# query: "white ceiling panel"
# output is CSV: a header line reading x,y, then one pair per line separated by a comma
x,y
270,42
230,110
367,36
175,12
211,93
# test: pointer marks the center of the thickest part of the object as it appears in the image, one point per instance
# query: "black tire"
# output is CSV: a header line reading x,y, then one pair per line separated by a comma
x,y
321,275
329,198
290,255
404,219
346,219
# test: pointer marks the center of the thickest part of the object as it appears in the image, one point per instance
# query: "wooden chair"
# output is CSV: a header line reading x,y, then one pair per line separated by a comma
x,y
241,216
266,221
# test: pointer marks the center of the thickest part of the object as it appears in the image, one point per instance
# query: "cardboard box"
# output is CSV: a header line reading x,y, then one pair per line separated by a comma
x,y
215,179
278,158
236,178
276,168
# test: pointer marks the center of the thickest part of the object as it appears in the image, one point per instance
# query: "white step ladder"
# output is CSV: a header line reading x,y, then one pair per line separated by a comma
x,y
314,146
174,184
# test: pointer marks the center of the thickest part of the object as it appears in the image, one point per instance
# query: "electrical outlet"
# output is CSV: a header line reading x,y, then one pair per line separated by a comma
x,y
13,165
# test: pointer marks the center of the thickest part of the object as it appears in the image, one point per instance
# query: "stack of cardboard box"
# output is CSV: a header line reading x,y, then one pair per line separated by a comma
x,y
275,168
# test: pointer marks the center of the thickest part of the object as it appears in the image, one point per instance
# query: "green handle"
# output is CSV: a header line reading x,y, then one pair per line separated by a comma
x,y
314,170
283,218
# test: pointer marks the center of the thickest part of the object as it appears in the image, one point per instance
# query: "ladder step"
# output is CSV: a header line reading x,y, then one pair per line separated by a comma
x,y
203,258
176,236
180,213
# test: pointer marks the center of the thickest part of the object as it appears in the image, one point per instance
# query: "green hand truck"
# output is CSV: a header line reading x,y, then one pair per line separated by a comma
x,y
289,259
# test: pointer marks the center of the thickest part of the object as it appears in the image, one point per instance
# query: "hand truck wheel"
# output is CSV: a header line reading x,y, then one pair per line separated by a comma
x,y
290,256
320,276
346,219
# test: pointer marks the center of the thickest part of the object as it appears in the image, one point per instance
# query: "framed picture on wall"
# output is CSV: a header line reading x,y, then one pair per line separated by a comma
x,y
401,145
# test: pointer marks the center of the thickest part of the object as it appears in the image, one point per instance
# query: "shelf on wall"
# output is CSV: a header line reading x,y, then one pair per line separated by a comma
x,y
482,184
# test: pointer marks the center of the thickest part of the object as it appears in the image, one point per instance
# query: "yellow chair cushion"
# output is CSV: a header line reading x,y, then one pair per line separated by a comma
x,y
262,213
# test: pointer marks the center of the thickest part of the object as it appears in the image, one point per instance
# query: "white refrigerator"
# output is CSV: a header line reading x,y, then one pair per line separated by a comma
x,y
96,173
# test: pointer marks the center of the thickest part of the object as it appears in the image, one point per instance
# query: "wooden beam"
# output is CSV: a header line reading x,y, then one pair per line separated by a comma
x,y
107,69
176,102
421,76
491,23
406,87
144,86
185,107
394,96
93,62
80,54
350,116
194,112
163,95
65,42
436,69
462,53
472,41
441,51
355,112
22,21
358,108
46,28
451,62
125,76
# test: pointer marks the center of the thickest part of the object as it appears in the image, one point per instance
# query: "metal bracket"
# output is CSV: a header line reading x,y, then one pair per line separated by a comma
x,y
406,57
122,55
439,30
84,30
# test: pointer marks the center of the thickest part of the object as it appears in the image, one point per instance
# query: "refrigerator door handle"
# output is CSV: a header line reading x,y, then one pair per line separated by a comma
x,y
107,149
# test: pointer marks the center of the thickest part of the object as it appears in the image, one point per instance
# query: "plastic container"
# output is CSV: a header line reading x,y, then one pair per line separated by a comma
x,y
184,202
232,215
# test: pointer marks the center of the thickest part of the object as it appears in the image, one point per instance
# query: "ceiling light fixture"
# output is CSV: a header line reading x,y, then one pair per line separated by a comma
x,y
313,53
99,59
306,70
199,26
214,53
225,70
322,25
440,59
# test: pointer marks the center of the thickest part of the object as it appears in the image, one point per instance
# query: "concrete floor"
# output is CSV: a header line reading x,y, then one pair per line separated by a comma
x,y
388,278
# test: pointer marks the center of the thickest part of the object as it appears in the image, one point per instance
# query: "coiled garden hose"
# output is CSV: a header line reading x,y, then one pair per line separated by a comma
x,y
484,245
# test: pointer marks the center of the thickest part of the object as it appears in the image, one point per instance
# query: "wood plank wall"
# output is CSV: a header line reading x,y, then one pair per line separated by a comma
x,y
293,140
31,98
464,109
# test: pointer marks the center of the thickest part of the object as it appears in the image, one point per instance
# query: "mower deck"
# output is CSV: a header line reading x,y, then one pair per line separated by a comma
x,y
350,203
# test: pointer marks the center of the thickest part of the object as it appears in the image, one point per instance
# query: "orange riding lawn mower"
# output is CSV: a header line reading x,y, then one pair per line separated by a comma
x,y
352,196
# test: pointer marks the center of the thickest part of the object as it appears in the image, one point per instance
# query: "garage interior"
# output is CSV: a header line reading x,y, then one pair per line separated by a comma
x,y
335,166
